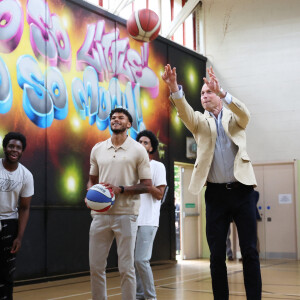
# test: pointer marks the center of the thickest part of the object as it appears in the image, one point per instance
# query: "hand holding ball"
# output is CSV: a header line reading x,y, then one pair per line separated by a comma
x,y
99,198
143,25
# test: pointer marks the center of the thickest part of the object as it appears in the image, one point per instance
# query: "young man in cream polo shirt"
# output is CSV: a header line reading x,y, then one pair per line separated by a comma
x,y
123,165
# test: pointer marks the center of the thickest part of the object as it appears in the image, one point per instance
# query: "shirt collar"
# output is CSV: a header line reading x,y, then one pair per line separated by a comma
x,y
220,115
124,146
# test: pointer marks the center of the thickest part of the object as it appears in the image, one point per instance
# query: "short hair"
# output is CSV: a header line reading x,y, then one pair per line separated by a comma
x,y
14,136
151,136
123,111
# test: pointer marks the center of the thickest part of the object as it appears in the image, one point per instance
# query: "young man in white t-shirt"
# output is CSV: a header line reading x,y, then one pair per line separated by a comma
x,y
148,220
16,190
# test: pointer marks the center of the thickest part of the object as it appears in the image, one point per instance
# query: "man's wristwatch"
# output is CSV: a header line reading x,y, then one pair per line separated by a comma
x,y
122,189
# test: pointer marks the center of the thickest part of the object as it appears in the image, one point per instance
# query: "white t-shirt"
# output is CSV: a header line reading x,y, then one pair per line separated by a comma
x,y
13,185
150,207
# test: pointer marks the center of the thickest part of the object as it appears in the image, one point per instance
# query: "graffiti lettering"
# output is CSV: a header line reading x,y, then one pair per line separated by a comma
x,y
43,100
48,39
112,57
6,94
12,24
102,56
85,95
96,103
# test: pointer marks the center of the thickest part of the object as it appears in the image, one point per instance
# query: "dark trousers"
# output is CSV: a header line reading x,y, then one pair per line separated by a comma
x,y
7,260
222,206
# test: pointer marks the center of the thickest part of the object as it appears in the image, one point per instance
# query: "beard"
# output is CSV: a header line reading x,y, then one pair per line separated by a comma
x,y
118,131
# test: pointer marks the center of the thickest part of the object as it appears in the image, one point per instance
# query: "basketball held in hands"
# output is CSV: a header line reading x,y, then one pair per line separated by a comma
x,y
99,198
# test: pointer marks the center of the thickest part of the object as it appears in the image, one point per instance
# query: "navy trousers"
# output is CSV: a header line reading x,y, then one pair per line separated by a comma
x,y
223,204
7,260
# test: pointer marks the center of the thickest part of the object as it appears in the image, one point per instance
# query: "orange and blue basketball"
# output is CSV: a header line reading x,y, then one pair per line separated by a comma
x,y
99,198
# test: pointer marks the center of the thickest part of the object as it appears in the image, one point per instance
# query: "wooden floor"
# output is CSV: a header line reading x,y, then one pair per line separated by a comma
x,y
186,280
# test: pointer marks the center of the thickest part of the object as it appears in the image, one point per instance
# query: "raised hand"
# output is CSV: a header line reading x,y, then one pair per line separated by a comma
x,y
213,83
170,78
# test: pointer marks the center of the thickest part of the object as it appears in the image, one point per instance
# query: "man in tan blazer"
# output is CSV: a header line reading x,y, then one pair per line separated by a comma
x,y
222,164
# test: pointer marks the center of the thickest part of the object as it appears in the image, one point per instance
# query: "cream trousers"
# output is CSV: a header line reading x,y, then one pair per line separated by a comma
x,y
104,228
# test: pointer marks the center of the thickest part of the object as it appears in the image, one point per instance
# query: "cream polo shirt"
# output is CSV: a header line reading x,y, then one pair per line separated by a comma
x,y
124,165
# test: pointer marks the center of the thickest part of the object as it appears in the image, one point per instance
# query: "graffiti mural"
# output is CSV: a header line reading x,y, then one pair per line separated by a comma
x,y
63,68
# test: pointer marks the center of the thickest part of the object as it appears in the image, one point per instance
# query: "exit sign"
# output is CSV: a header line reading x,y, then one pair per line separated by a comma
x,y
190,205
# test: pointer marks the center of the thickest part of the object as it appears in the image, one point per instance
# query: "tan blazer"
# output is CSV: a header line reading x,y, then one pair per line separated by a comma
x,y
203,127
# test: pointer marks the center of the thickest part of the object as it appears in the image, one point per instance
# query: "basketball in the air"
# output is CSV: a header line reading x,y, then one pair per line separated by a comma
x,y
143,25
99,198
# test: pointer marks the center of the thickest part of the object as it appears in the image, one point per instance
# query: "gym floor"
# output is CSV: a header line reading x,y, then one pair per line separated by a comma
x,y
189,279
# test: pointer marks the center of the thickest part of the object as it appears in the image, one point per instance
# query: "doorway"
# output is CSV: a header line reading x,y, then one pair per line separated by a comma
x,y
187,214
277,230
277,226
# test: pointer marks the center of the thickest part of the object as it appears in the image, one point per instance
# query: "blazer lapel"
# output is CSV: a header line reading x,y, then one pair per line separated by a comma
x,y
212,125
227,114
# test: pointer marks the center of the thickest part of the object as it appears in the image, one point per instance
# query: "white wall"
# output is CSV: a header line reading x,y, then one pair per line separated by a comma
x,y
254,48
